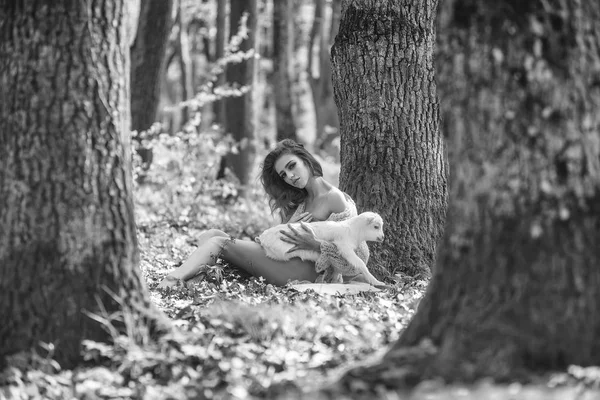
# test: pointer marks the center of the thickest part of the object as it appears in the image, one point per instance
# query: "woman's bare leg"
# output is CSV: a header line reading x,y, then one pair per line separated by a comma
x,y
251,257
206,253
246,255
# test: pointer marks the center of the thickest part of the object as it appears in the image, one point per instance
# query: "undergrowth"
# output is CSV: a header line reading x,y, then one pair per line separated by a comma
x,y
235,337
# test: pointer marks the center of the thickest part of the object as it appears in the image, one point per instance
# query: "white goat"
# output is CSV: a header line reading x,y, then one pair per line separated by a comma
x,y
346,235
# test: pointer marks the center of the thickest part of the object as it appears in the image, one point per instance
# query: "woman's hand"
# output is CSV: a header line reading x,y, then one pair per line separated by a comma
x,y
303,217
301,239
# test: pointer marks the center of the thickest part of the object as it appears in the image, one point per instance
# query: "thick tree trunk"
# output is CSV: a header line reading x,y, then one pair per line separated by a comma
x,y
392,153
239,121
67,236
147,65
283,53
517,285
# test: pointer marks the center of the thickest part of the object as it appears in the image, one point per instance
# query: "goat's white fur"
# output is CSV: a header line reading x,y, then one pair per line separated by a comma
x,y
346,235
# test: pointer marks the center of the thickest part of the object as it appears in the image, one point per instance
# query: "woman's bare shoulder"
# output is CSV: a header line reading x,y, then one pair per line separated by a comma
x,y
337,201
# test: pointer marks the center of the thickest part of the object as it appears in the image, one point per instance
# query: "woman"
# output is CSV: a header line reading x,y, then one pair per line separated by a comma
x,y
293,180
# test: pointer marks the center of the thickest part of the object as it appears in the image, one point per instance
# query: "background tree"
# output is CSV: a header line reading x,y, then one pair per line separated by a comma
x,y
324,28
222,27
239,119
202,55
147,65
183,52
283,53
68,241
392,153
516,287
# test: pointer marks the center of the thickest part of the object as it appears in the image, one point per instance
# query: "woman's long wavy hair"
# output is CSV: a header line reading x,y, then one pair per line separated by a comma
x,y
284,197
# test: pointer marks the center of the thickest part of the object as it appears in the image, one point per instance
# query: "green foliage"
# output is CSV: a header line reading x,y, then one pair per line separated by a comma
x,y
180,189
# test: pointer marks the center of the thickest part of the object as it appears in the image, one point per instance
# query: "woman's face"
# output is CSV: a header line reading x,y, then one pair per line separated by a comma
x,y
293,170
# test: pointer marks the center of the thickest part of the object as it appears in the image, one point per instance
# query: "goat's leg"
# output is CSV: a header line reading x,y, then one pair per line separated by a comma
x,y
348,253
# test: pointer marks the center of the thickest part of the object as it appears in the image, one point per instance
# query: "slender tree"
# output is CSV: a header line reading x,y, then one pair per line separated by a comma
x,y
202,59
147,64
220,39
324,28
68,244
239,121
183,51
304,112
283,53
392,154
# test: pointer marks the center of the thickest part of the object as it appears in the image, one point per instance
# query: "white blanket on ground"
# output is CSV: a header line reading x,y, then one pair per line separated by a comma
x,y
336,288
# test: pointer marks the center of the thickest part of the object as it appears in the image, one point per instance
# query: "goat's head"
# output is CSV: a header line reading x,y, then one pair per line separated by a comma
x,y
371,226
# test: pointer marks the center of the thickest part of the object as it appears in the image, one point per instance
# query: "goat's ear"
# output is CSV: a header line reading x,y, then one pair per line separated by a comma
x,y
372,219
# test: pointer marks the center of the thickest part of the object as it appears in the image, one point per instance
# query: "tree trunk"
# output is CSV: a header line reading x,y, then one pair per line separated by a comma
x,y
517,286
222,29
185,64
283,53
324,29
392,154
133,11
68,240
239,121
303,107
147,65
202,58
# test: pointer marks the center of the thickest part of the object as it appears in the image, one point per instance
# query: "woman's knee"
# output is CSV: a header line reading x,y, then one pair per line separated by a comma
x,y
215,246
210,233
219,242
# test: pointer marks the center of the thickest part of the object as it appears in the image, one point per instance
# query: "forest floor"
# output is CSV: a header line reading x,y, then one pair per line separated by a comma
x,y
238,337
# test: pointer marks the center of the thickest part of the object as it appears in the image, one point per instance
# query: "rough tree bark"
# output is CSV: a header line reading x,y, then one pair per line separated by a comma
x,y
392,153
283,53
517,287
239,119
147,65
523,231
67,232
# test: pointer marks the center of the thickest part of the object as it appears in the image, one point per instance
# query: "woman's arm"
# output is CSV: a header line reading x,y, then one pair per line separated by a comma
x,y
303,239
302,217
305,216
330,260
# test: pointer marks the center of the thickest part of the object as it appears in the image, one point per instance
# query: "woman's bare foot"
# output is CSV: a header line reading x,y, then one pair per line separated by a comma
x,y
168,282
